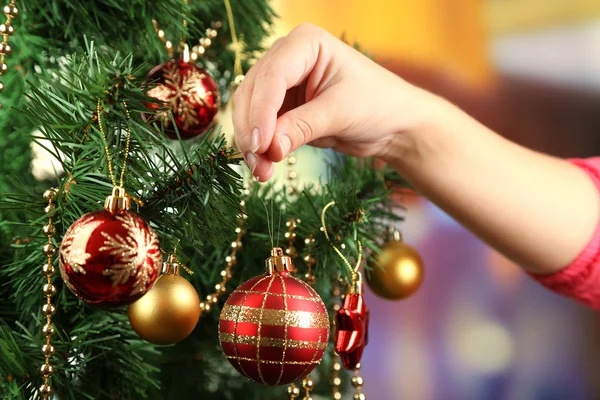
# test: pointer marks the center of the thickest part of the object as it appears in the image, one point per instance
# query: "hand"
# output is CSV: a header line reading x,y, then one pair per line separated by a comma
x,y
312,88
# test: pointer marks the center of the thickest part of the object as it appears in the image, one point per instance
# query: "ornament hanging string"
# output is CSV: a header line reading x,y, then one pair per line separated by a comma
x,y
108,159
353,271
237,44
271,224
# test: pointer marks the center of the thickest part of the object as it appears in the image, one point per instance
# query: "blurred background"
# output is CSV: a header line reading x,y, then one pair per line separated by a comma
x,y
479,328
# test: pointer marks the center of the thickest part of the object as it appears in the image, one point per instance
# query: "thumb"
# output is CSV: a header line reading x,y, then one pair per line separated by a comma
x,y
301,125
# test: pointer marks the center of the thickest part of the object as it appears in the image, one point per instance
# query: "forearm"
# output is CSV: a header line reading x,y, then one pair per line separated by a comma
x,y
538,210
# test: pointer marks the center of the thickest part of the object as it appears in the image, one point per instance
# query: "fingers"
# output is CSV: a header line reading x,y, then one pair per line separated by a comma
x,y
260,166
241,107
263,91
302,125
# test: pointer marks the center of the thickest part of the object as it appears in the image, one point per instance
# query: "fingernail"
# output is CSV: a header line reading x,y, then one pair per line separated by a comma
x,y
286,144
251,162
255,140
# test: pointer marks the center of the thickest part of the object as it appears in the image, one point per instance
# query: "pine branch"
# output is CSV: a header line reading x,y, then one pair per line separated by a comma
x,y
190,192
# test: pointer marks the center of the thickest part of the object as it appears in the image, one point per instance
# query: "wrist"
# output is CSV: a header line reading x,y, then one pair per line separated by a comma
x,y
423,135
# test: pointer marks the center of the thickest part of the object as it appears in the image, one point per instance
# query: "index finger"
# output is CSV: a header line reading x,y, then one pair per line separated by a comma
x,y
282,68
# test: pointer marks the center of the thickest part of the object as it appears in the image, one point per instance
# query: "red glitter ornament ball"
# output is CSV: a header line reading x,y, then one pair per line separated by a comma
x,y
109,258
189,92
274,328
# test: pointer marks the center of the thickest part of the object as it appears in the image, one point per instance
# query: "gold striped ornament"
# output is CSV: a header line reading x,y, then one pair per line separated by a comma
x,y
274,328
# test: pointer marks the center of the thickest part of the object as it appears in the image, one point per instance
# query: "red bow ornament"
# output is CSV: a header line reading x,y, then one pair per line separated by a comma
x,y
352,328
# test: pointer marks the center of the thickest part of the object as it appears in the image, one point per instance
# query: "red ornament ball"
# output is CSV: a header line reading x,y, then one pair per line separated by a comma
x,y
191,95
109,259
274,329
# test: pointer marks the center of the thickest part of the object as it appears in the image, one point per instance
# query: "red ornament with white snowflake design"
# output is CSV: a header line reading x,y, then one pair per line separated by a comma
x,y
110,257
191,95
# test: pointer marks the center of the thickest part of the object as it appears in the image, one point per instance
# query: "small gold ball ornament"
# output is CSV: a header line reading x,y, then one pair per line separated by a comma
x,y
169,312
397,272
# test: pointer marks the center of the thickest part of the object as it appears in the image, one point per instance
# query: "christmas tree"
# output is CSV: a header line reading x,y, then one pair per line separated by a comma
x,y
112,91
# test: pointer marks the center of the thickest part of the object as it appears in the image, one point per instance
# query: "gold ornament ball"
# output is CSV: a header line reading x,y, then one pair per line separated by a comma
x,y
168,313
397,272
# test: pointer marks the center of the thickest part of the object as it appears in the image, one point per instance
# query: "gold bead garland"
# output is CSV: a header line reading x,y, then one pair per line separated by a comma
x,y
292,175
310,261
336,367
221,287
358,383
48,309
292,251
197,50
308,385
293,391
290,235
7,30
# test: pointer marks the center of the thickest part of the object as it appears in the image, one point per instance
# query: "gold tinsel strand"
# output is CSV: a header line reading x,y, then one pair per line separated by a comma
x,y
236,43
48,309
7,30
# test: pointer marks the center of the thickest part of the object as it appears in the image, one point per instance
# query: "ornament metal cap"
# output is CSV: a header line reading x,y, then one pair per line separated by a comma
x,y
357,286
395,235
117,201
171,266
278,262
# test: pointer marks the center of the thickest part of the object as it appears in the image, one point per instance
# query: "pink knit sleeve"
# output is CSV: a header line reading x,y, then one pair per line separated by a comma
x,y
581,279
